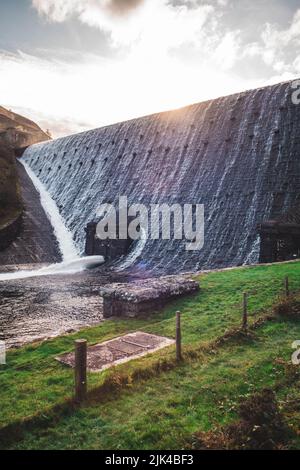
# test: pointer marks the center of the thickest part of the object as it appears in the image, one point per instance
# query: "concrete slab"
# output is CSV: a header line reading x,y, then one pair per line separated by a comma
x,y
119,350
145,296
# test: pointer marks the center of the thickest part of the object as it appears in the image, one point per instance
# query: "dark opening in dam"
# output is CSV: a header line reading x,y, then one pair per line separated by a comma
x,y
238,155
280,239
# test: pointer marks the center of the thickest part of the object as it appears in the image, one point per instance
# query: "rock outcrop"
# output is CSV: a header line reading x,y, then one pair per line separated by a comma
x,y
18,131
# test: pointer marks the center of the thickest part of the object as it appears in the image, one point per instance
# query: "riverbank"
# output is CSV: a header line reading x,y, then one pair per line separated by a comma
x,y
204,391
42,307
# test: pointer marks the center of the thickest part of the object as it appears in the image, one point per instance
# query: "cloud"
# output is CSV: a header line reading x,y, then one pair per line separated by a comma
x,y
93,91
278,39
112,16
278,48
121,7
60,10
130,21
56,10
176,52
153,29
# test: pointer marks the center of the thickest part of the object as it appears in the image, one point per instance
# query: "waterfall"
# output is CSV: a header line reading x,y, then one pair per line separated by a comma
x,y
237,155
63,235
65,267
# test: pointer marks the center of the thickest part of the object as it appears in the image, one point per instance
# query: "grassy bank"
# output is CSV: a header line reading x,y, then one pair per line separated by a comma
x,y
161,405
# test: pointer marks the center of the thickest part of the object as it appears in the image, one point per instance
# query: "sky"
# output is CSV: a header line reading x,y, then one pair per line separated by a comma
x,y
73,65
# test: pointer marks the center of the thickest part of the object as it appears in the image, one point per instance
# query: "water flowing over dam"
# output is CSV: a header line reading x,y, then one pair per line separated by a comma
x,y
71,261
62,234
237,155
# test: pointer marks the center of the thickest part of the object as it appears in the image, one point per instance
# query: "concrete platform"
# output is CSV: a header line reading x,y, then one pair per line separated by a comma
x,y
142,297
119,350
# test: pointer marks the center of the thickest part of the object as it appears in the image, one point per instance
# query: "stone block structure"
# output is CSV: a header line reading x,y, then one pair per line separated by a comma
x,y
144,296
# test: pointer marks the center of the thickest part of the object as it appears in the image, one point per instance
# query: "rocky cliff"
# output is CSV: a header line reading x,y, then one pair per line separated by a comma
x,y
16,132
19,131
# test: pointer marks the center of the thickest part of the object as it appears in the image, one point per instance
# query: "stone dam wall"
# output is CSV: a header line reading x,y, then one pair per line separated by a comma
x,y
9,232
238,155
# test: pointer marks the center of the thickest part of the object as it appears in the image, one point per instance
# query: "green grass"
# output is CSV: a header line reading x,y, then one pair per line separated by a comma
x,y
160,411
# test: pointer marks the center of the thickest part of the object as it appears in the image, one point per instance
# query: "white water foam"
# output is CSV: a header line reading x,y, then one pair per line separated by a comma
x,y
62,234
253,256
66,267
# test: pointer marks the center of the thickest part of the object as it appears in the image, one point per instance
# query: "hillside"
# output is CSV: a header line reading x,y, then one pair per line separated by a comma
x,y
156,403
16,132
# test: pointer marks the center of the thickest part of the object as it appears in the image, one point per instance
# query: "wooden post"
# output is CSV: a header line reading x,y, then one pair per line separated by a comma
x,y
245,311
287,288
80,370
178,337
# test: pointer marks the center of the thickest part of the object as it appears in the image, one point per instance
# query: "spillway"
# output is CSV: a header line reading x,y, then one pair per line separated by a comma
x,y
62,234
238,155
71,261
